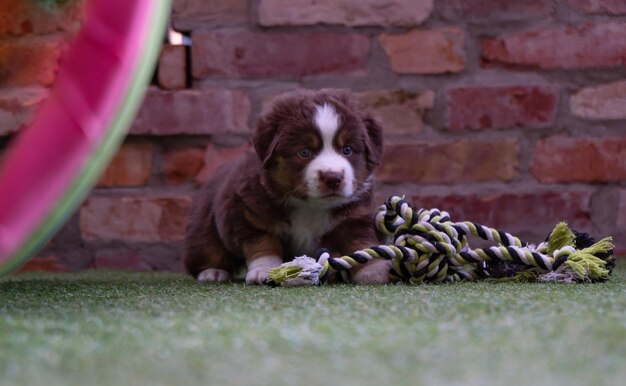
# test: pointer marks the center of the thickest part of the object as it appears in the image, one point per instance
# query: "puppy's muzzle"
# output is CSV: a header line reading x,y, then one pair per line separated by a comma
x,y
330,181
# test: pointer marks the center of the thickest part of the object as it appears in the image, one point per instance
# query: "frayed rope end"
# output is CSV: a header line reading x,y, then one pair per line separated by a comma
x,y
301,272
561,236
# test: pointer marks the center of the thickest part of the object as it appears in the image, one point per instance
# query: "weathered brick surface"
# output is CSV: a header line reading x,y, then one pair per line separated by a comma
x,y
344,12
563,159
134,218
21,17
456,162
17,107
172,70
42,263
196,164
183,165
400,111
191,14
131,166
512,211
30,60
216,156
621,215
245,54
496,10
611,7
501,107
606,101
433,51
141,257
194,112
120,260
587,45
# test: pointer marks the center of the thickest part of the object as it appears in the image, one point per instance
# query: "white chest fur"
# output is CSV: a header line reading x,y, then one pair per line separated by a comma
x,y
307,226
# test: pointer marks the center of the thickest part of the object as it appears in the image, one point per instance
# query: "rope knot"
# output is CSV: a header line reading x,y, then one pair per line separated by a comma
x,y
425,245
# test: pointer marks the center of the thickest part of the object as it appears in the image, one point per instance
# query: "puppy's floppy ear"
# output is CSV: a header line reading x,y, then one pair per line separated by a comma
x,y
374,141
265,139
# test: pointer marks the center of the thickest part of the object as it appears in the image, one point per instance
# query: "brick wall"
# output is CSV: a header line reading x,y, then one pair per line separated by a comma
x,y
507,112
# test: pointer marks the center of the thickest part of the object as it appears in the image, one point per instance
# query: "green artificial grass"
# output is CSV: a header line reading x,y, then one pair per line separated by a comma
x,y
113,328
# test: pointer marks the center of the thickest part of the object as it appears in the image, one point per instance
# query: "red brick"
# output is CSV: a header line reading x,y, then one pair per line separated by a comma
x,y
20,17
621,213
193,14
124,261
529,212
17,106
183,165
138,257
564,159
194,112
611,7
172,70
580,46
241,53
134,218
501,107
609,216
434,51
30,60
216,156
42,263
456,162
198,165
496,10
344,12
131,166
607,101
400,111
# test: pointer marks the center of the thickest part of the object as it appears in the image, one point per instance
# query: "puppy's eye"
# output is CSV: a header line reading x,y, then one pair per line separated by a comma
x,y
305,152
347,150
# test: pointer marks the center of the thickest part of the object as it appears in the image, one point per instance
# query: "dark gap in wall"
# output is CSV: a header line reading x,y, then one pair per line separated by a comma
x,y
188,75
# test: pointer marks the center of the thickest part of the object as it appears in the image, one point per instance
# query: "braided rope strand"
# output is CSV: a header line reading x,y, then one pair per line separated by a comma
x,y
427,246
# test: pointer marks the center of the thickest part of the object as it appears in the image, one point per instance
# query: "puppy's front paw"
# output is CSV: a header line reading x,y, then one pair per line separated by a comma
x,y
374,272
214,275
257,269
257,276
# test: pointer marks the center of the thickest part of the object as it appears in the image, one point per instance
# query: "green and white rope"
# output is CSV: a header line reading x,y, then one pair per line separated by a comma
x,y
426,246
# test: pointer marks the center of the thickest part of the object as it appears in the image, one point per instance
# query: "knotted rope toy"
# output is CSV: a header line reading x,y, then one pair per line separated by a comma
x,y
426,246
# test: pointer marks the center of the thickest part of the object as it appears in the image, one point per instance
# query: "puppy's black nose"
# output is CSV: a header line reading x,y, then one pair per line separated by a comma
x,y
331,180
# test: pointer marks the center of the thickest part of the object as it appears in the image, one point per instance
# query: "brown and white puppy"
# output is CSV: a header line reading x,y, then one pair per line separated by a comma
x,y
307,185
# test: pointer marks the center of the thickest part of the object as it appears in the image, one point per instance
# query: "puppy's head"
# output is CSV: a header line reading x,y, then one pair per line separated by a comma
x,y
319,146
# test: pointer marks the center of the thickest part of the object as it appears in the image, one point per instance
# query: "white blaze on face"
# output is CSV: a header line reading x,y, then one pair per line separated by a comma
x,y
328,160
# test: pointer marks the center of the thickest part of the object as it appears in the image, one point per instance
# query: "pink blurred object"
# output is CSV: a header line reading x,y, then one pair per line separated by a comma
x,y
48,154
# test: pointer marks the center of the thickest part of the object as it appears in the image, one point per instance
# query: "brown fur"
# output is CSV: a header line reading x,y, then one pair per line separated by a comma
x,y
237,214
